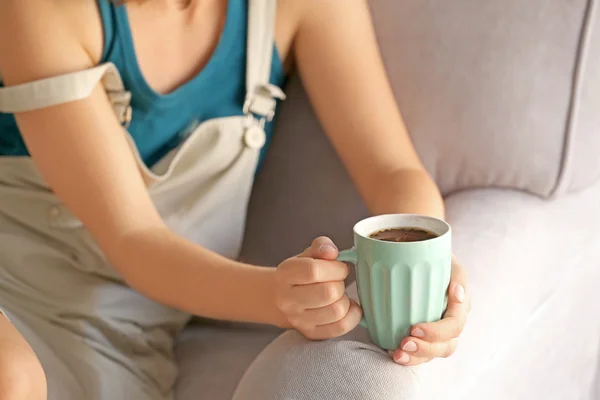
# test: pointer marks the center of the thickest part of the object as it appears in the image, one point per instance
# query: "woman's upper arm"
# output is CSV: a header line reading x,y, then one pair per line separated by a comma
x,y
78,147
341,67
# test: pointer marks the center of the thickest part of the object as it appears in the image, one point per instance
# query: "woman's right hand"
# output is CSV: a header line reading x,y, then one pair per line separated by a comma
x,y
310,292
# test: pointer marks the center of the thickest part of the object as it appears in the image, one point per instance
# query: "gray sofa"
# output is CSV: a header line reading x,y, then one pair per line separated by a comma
x,y
502,99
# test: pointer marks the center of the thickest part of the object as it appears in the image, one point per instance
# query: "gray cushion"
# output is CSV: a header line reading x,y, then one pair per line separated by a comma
x,y
494,93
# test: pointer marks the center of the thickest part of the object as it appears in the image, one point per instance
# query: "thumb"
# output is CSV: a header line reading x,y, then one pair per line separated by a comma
x,y
321,248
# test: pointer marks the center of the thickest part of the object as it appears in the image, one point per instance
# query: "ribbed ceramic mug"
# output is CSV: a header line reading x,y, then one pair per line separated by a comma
x,y
400,283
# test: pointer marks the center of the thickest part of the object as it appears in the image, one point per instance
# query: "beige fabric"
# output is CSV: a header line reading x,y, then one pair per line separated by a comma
x,y
260,97
97,338
66,88
52,91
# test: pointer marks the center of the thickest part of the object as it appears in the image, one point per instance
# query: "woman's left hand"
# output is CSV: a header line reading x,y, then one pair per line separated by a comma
x,y
438,339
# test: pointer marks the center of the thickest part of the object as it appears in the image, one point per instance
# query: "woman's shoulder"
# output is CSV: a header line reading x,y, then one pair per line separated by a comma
x,y
36,36
78,20
84,19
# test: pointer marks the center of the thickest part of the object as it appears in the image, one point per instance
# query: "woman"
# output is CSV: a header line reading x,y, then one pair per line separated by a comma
x,y
110,241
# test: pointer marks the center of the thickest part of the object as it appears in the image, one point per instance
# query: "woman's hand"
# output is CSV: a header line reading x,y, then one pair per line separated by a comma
x,y
310,291
438,339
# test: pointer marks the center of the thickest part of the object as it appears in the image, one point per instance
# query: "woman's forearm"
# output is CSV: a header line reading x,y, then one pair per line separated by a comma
x,y
408,191
176,272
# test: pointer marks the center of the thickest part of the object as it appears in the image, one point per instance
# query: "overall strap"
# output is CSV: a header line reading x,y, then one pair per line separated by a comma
x,y
260,94
67,88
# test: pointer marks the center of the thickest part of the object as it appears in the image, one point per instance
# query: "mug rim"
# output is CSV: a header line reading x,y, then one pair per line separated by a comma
x,y
447,229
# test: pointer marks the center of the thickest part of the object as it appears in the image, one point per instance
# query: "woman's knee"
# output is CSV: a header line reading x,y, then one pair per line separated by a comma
x,y
347,368
21,374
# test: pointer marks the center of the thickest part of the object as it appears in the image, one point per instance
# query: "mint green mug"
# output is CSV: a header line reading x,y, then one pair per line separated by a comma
x,y
400,283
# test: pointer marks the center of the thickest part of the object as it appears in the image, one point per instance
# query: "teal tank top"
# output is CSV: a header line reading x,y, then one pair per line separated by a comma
x,y
161,122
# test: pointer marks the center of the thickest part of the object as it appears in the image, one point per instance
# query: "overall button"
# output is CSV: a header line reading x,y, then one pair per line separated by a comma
x,y
255,137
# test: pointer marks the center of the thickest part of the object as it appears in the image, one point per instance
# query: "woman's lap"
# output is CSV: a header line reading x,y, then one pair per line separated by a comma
x,y
98,340
77,368
95,338
214,360
290,367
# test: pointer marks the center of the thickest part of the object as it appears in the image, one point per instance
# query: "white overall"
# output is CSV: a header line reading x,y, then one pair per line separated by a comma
x,y
95,336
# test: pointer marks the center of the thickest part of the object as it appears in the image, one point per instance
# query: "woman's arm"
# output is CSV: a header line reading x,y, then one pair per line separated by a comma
x,y
342,70
82,153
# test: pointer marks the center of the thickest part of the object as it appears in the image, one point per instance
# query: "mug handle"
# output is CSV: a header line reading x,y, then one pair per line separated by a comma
x,y
349,256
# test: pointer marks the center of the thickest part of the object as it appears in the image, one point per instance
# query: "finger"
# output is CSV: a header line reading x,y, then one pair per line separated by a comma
x,y
421,348
404,358
455,316
324,315
304,271
321,248
317,295
450,327
458,282
338,328
459,303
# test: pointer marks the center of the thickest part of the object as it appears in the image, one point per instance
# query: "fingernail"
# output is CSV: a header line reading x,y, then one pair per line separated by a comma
x,y
326,247
418,332
410,346
403,359
459,292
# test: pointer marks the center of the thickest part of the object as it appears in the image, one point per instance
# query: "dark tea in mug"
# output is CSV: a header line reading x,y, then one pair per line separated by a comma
x,y
403,235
